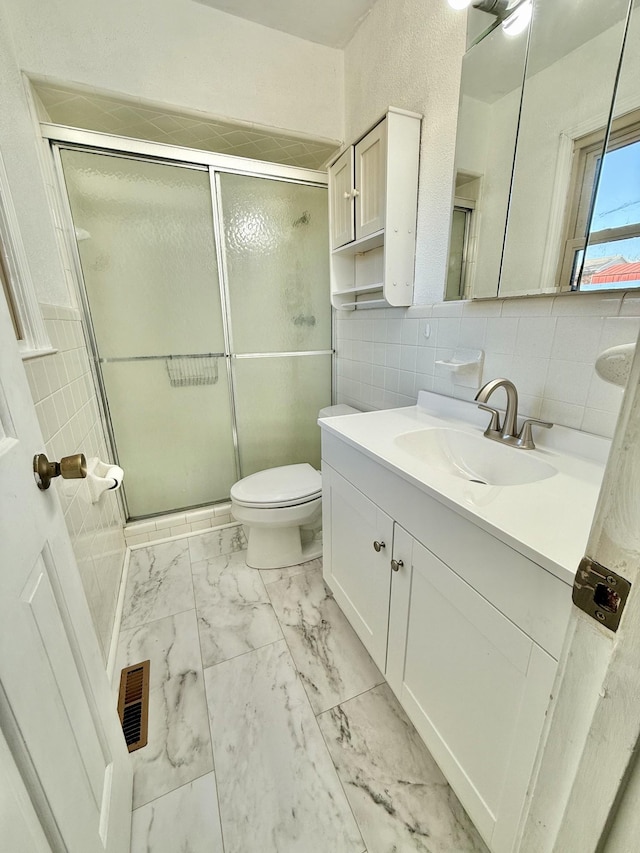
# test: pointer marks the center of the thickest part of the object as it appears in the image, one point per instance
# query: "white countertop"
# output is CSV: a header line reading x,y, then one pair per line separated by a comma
x,y
547,521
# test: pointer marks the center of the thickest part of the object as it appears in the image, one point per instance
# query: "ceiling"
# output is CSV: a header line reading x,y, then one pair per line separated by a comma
x,y
330,22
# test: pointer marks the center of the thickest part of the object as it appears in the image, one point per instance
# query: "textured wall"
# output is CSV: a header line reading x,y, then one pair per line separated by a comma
x,y
408,53
186,54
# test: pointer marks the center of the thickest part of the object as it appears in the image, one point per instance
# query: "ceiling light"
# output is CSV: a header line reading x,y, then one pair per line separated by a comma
x,y
519,19
459,4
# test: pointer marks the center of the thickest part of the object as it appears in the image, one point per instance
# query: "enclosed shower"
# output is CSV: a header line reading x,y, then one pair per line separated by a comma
x,y
205,292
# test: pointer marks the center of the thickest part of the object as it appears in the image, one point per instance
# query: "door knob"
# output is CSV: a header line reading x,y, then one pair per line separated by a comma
x,y
396,565
69,468
378,546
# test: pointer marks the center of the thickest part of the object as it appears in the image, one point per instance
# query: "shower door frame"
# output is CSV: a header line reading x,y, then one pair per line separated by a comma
x,y
61,137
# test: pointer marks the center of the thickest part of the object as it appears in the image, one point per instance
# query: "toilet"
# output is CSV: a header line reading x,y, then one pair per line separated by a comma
x,y
281,509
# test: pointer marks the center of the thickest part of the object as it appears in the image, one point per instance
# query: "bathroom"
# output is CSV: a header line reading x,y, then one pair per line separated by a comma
x,y
325,87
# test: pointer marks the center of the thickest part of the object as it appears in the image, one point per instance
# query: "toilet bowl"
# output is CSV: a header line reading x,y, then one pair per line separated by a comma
x,y
281,509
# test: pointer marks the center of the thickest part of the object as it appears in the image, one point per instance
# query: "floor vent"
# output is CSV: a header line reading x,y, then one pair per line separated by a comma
x,y
133,704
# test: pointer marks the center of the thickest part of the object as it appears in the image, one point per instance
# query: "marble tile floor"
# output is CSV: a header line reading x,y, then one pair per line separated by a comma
x,y
270,728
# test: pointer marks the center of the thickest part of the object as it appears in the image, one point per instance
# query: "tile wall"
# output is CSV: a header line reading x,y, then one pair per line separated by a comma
x,y
178,523
64,396
546,345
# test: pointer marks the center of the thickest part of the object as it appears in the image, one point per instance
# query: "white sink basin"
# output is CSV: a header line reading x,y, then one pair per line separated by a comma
x,y
474,457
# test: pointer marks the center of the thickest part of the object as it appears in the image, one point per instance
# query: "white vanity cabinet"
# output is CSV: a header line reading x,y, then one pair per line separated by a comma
x,y
466,630
373,192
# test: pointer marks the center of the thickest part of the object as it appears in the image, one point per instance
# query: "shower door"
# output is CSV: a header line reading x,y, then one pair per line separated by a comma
x,y
146,243
276,268
207,300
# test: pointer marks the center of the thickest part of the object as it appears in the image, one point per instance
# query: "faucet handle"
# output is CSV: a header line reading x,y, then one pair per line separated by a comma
x,y
494,425
525,439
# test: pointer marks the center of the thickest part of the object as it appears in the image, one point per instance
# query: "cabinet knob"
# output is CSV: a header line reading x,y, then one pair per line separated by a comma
x,y
378,546
396,565
351,193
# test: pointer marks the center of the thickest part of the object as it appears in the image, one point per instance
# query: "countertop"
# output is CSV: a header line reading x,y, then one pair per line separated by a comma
x,y
547,521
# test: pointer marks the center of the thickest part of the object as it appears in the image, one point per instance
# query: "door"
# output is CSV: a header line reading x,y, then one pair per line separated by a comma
x,y
150,269
276,272
371,179
341,195
474,685
358,565
57,713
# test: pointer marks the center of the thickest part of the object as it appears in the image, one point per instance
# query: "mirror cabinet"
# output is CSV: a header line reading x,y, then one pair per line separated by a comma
x,y
547,167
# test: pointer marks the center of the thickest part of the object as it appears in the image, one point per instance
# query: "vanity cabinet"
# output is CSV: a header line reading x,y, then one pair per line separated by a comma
x,y
373,193
466,630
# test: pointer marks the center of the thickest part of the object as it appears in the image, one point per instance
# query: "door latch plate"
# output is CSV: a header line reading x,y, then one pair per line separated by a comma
x,y
600,593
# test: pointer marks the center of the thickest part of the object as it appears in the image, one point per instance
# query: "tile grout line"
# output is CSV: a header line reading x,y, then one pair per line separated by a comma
x,y
206,699
315,717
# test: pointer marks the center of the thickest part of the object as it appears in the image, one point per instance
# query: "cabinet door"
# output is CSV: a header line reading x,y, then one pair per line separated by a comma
x,y
341,200
371,175
475,687
359,575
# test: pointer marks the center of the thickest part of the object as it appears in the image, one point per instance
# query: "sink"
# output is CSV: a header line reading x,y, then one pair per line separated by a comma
x,y
474,458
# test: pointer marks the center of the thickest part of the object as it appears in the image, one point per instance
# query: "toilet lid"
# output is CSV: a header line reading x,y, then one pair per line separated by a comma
x,y
284,486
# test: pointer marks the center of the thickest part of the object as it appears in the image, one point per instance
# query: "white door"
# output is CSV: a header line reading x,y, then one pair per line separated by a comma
x,y
341,194
357,562
57,713
371,179
474,685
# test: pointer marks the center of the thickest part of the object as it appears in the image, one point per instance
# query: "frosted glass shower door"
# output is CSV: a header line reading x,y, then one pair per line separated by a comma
x,y
146,242
277,268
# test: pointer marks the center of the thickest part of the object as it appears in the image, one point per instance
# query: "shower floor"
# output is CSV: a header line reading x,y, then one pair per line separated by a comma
x,y
270,730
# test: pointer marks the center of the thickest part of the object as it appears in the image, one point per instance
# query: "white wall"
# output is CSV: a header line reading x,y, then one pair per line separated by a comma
x,y
18,144
184,54
407,53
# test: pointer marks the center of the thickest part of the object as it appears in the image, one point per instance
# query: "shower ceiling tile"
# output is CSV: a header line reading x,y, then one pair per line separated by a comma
x,y
106,114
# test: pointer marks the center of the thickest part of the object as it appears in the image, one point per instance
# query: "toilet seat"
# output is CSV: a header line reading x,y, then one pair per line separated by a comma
x,y
288,485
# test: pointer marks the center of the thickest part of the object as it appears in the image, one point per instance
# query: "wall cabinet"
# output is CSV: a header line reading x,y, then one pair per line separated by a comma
x,y
373,196
474,670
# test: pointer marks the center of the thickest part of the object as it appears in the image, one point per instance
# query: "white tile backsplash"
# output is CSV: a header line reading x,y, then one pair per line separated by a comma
x,y
546,345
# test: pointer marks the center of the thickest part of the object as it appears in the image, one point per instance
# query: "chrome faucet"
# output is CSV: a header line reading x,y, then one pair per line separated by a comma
x,y
508,433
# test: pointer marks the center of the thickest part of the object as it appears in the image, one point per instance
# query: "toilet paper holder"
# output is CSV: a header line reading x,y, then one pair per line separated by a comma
x,y
102,477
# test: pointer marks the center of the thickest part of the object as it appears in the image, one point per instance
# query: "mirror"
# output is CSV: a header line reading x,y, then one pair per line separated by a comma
x,y
521,221
612,258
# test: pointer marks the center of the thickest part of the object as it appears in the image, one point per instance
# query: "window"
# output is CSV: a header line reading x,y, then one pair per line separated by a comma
x,y
605,206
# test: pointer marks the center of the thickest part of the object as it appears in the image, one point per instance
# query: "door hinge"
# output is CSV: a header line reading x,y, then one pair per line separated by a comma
x,y
600,593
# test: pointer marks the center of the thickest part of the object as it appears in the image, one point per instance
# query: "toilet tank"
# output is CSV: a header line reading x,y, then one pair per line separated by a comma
x,y
340,409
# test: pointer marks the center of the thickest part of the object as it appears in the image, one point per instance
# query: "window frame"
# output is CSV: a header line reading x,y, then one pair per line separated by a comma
x,y
588,155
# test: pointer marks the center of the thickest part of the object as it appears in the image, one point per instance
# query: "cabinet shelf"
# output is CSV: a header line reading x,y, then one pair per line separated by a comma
x,y
365,303
364,288
364,244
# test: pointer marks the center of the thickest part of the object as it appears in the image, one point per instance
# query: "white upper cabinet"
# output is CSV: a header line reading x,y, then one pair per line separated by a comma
x,y
373,197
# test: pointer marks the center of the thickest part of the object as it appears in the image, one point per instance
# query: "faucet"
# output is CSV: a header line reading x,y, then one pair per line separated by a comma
x,y
508,433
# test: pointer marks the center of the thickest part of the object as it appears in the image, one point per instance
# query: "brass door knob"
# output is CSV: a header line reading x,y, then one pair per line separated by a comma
x,y
396,565
69,468
378,546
